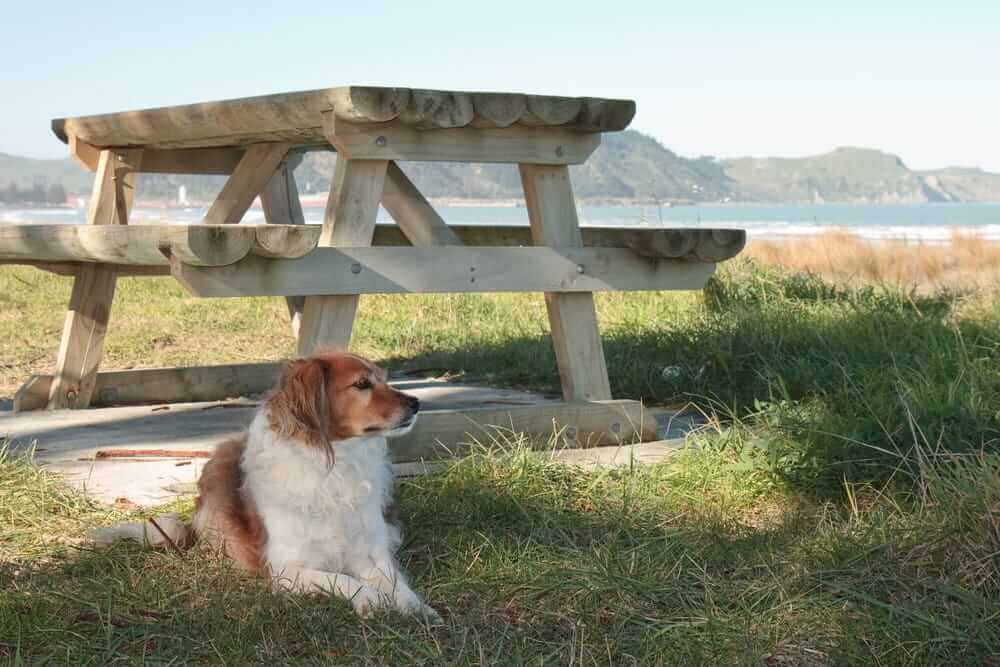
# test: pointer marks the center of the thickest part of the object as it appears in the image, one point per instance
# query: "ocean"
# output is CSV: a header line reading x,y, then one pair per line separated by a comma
x,y
914,223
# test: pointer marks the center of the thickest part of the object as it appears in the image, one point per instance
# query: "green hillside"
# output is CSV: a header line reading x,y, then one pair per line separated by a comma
x,y
627,165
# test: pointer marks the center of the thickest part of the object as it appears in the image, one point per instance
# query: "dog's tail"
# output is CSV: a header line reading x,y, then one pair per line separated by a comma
x,y
165,531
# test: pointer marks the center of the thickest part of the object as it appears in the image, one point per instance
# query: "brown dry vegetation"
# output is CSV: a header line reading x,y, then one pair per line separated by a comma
x,y
968,263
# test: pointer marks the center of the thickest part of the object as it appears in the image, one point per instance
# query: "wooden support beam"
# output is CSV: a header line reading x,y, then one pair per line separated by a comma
x,y
161,385
401,270
280,201
446,433
251,175
82,344
413,213
514,144
579,353
87,156
191,161
349,220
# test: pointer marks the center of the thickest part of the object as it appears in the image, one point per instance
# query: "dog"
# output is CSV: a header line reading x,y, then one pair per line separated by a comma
x,y
303,495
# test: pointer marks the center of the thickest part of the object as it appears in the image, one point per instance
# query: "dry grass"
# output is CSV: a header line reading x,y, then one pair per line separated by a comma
x,y
968,263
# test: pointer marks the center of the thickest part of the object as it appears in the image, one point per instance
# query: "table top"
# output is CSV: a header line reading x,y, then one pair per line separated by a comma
x,y
298,117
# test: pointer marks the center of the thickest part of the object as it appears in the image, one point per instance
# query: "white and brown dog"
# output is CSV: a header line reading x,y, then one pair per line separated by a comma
x,y
301,497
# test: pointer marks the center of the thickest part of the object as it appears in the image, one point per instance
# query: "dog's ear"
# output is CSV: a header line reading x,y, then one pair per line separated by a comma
x,y
303,399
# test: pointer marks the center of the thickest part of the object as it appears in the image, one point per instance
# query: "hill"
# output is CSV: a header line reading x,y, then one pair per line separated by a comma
x,y
627,165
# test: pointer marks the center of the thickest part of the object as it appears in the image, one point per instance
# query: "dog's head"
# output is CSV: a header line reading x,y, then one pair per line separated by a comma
x,y
336,396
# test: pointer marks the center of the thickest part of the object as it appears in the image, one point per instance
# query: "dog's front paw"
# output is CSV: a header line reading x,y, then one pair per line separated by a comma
x,y
367,602
430,614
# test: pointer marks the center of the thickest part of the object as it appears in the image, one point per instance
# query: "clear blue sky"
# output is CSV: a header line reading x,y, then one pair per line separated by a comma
x,y
724,78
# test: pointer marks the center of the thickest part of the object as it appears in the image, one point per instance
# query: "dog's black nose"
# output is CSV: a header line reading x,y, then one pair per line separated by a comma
x,y
413,402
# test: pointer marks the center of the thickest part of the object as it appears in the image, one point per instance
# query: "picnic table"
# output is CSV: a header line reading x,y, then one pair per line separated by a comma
x,y
322,270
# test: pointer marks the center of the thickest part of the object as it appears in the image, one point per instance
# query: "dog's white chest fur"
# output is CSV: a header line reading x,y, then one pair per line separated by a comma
x,y
316,515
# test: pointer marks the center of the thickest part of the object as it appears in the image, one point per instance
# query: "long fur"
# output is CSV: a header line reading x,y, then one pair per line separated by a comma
x,y
303,496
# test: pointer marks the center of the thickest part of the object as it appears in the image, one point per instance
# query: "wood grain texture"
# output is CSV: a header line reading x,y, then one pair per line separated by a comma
x,y
512,145
296,117
417,219
446,433
191,161
161,385
349,220
572,317
252,174
432,270
81,347
280,201
142,245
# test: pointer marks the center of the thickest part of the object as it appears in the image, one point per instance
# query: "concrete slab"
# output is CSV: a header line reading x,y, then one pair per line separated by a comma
x,y
68,441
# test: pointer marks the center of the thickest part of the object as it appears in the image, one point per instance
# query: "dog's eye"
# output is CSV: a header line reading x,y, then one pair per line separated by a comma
x,y
363,383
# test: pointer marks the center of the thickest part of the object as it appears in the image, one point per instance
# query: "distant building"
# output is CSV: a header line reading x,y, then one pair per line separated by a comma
x,y
182,195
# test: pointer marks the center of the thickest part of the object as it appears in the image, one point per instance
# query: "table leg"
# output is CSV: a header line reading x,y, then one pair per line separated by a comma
x,y
82,345
579,354
349,220
280,201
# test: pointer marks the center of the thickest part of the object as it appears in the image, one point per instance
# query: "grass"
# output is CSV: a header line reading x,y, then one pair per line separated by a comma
x,y
966,263
849,513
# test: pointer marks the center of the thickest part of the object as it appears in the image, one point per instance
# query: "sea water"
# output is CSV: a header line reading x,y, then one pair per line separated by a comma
x,y
916,223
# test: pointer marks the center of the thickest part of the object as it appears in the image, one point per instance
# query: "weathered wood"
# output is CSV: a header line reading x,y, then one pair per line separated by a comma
x,y
365,104
598,114
445,433
669,243
280,201
82,345
437,109
716,242
349,220
345,270
284,241
546,110
415,216
577,341
87,156
142,245
162,385
253,172
296,117
498,109
191,161
516,144
280,197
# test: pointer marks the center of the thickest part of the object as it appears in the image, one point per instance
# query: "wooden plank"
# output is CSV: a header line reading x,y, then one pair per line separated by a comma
x,y
87,156
349,220
280,201
401,270
445,433
141,245
191,161
296,117
415,216
515,144
577,341
253,172
161,385
82,345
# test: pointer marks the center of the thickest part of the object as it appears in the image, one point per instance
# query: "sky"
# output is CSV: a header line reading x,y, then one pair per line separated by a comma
x,y
727,79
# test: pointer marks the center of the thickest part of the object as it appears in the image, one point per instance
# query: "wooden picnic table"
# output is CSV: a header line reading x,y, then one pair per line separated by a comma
x,y
322,270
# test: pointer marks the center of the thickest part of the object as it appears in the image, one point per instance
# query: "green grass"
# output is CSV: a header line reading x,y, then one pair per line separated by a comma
x,y
848,514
